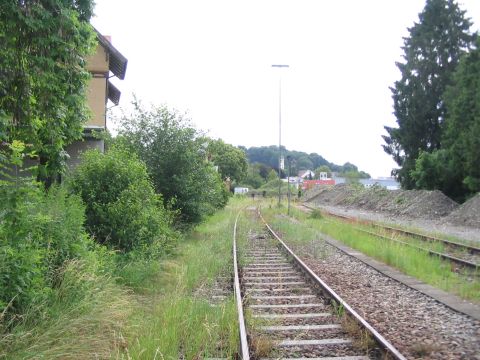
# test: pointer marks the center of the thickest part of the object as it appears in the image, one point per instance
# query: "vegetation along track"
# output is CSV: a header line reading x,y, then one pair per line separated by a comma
x,y
293,314
462,255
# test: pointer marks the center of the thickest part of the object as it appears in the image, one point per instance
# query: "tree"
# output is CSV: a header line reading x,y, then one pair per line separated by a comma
x,y
304,163
431,54
231,161
272,176
256,175
268,157
454,169
43,80
176,157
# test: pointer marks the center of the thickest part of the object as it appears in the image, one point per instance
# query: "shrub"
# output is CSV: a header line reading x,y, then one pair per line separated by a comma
x,y
122,208
176,157
38,232
316,214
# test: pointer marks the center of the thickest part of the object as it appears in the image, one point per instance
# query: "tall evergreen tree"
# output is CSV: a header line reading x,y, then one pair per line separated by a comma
x,y
431,54
455,168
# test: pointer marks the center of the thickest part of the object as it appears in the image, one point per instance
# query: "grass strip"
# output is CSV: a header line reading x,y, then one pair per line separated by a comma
x,y
419,264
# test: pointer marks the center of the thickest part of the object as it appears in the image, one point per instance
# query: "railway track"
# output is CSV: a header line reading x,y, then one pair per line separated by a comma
x,y
464,255
292,313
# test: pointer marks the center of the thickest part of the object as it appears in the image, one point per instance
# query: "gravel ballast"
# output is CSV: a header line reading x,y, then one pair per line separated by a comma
x,y
417,325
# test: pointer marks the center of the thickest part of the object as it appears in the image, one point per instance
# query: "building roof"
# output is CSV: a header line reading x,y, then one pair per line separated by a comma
x,y
113,93
118,62
304,173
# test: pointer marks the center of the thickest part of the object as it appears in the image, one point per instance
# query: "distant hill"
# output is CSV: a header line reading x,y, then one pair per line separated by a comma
x,y
268,156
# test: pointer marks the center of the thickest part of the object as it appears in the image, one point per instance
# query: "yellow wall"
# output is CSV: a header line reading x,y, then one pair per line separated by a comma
x,y
98,65
96,97
98,62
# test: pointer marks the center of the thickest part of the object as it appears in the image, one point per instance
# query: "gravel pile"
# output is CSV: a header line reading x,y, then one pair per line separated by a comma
x,y
414,323
467,214
407,203
331,194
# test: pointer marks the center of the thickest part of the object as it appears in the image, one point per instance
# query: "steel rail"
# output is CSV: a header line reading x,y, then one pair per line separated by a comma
x,y
244,352
430,252
384,343
469,248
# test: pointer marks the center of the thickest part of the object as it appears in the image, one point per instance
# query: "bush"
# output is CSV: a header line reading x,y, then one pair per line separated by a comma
x,y
315,214
176,157
39,231
122,208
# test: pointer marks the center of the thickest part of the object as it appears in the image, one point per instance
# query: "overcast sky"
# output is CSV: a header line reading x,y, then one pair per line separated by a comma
x,y
212,59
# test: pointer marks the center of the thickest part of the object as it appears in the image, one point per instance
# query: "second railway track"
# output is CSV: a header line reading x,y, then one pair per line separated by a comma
x,y
292,314
464,255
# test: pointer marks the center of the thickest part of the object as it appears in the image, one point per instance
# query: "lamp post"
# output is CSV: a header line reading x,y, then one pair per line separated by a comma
x,y
280,132
289,163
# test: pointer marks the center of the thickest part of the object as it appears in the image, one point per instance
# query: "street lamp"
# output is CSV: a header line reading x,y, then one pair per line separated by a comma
x,y
289,163
280,132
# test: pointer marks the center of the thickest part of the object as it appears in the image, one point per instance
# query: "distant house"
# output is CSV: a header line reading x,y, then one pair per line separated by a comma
x,y
240,190
308,184
104,64
306,174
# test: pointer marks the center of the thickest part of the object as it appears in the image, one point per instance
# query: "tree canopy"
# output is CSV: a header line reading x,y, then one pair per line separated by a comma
x,y
431,54
455,167
268,156
43,49
231,161
177,160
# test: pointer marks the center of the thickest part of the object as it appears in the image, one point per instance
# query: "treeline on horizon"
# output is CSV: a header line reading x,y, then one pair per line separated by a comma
x,y
268,156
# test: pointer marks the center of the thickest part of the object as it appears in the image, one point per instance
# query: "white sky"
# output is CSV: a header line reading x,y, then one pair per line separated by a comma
x,y
212,59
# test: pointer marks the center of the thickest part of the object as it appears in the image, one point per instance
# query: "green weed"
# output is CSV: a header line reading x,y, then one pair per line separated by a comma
x,y
174,321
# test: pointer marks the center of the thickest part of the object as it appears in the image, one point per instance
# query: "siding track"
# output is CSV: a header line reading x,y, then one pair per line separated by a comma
x,y
463,255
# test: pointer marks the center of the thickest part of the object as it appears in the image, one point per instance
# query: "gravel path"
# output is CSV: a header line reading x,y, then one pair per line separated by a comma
x,y
414,323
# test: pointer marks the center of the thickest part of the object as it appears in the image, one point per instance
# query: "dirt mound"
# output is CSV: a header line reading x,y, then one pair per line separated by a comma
x,y
408,203
467,214
426,204
333,195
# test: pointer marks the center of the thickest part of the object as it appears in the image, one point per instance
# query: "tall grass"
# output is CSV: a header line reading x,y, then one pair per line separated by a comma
x,y
83,319
154,309
416,263
176,320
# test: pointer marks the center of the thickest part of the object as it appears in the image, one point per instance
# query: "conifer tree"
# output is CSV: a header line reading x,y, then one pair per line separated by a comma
x,y
455,167
431,54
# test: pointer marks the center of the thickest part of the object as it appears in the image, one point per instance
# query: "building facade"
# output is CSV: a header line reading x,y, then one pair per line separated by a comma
x,y
104,64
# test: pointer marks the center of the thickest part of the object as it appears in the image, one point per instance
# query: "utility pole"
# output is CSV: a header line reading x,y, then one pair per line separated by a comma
x,y
280,133
289,162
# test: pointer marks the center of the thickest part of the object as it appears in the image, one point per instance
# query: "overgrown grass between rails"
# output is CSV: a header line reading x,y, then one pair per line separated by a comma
x,y
418,264
175,319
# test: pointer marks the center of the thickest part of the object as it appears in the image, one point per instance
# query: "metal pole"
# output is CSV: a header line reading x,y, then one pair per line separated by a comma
x,y
288,183
279,140
280,133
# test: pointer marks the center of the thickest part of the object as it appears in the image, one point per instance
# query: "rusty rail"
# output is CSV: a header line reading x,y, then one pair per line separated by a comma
x,y
244,352
470,248
465,263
